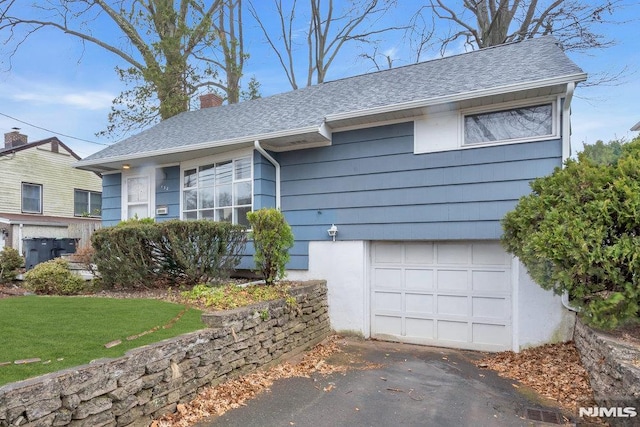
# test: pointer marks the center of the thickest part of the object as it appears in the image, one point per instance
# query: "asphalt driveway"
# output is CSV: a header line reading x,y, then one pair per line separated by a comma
x,y
390,384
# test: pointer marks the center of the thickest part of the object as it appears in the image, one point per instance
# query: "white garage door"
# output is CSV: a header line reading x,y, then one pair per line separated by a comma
x,y
446,294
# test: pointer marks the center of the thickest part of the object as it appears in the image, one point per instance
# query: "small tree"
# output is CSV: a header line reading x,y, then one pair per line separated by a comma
x,y
272,238
579,232
10,261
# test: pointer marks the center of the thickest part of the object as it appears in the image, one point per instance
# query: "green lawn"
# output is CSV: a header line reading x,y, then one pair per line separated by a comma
x,y
75,329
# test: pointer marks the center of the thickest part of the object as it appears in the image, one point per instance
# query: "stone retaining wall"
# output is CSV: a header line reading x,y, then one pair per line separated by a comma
x,y
150,381
614,371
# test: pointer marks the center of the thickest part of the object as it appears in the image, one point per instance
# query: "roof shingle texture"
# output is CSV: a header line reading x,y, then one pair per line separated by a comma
x,y
515,63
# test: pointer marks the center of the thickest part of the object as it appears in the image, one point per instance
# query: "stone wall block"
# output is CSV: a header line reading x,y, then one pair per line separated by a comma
x,y
143,396
129,389
149,381
101,419
125,405
62,417
92,407
130,416
44,407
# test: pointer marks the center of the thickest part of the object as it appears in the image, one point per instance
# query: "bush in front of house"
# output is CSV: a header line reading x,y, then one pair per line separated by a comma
x,y
579,232
140,253
195,252
272,239
10,262
124,254
53,277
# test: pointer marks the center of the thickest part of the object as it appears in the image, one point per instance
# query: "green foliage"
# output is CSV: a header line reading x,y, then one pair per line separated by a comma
x,y
230,296
272,238
124,254
54,277
579,232
135,221
200,251
138,253
601,153
10,261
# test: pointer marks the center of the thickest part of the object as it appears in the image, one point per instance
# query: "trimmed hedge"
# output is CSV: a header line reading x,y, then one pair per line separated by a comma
x,y
135,254
579,232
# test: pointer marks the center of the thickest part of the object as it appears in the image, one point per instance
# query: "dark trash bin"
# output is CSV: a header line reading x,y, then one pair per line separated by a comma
x,y
37,250
65,246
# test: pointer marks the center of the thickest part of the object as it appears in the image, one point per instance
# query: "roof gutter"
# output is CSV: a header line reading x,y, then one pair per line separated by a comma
x,y
566,122
457,97
194,147
275,164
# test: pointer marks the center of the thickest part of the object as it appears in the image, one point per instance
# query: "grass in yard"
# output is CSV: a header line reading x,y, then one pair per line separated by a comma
x,y
75,329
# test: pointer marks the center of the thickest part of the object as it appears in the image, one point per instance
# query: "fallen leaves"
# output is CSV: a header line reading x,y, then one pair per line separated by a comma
x,y
552,370
234,393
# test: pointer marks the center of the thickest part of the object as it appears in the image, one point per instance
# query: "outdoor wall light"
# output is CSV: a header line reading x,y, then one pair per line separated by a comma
x,y
333,231
126,166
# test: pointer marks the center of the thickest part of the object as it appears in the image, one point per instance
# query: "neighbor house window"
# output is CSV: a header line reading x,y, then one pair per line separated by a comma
x,y
220,191
31,198
513,124
87,203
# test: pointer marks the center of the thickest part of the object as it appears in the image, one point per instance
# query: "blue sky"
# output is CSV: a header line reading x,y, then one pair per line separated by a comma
x,y
58,84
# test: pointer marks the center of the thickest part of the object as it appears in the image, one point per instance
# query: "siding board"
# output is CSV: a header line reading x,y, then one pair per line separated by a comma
x,y
371,185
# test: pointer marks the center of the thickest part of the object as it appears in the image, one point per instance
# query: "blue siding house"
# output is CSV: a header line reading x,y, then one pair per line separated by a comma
x,y
414,166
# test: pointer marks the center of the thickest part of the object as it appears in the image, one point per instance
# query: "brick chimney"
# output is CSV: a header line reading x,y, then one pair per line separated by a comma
x,y
210,100
14,139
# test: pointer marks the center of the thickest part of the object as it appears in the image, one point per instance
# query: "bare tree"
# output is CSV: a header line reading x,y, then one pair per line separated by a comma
x,y
484,23
163,43
326,33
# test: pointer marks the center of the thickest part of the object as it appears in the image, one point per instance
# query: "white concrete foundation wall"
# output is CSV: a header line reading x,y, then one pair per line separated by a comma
x,y
540,315
343,265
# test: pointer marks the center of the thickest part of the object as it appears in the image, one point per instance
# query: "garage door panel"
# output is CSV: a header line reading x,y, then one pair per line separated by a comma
x,y
453,280
388,325
388,278
455,294
387,301
419,253
453,305
418,279
453,331
419,303
491,281
452,253
420,328
491,334
494,308
388,253
489,254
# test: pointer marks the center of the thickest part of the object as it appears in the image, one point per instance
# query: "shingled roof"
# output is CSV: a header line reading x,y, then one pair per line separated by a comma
x,y
500,69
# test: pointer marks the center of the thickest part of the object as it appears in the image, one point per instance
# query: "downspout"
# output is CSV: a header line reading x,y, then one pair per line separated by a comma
x,y
566,122
275,164
20,239
566,152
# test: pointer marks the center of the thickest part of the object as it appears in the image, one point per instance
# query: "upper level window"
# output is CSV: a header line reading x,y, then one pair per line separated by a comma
x,y
219,191
87,203
512,124
31,198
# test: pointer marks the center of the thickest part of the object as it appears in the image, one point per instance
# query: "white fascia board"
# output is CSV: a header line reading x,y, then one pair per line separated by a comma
x,y
246,140
457,97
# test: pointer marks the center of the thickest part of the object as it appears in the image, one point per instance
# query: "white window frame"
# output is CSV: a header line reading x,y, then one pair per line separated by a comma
x,y
229,156
150,176
40,187
497,108
88,211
